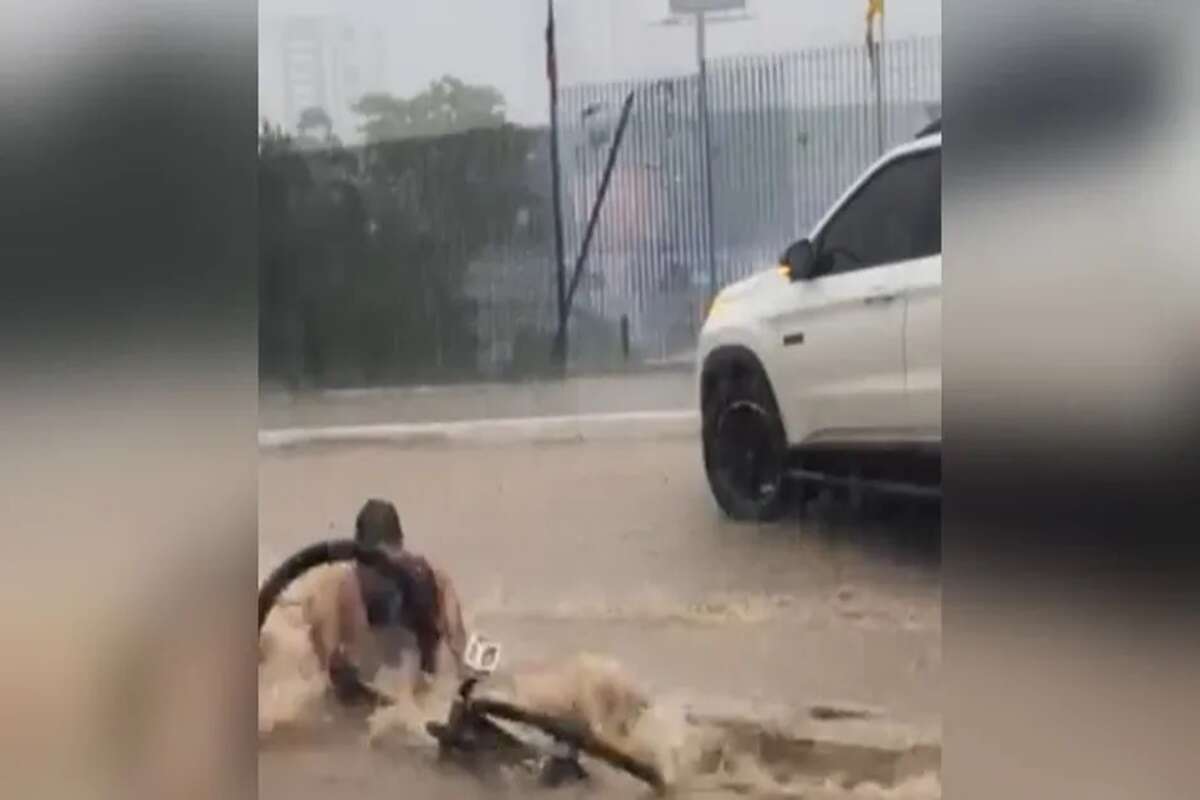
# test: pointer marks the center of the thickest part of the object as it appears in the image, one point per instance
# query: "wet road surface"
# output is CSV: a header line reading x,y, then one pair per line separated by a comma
x,y
665,390
617,548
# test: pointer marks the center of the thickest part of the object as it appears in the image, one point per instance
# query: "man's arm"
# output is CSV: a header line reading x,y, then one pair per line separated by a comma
x,y
339,636
322,615
422,610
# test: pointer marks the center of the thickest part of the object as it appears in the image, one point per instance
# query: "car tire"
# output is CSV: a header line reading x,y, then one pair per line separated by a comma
x,y
745,446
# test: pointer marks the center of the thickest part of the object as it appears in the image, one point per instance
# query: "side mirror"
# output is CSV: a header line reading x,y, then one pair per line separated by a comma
x,y
800,260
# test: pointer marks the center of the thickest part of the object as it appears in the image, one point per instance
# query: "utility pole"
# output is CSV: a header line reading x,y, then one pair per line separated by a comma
x,y
559,351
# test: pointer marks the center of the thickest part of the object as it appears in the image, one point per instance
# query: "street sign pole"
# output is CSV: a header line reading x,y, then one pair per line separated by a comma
x,y
706,145
698,10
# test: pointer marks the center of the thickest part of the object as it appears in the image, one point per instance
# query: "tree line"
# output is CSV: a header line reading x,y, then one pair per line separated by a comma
x,y
364,250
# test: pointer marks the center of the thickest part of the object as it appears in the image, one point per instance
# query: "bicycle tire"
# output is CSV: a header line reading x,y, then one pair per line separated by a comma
x,y
574,734
331,551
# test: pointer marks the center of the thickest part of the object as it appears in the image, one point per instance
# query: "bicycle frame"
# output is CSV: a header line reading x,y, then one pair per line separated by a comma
x,y
472,738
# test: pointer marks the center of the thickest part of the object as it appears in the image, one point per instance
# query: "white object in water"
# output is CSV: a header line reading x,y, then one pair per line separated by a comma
x,y
482,655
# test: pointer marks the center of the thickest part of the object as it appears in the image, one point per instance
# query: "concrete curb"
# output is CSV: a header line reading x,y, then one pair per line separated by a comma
x,y
863,745
681,424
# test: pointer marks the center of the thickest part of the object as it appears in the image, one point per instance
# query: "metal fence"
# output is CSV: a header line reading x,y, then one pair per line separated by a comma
x,y
788,133
431,259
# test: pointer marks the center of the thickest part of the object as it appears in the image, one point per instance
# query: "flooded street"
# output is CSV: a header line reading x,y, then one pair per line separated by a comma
x,y
616,548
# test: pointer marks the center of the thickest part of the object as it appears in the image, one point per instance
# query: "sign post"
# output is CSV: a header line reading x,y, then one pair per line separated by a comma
x,y
706,143
875,57
697,10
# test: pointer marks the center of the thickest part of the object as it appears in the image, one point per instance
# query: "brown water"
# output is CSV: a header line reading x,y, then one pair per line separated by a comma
x,y
606,565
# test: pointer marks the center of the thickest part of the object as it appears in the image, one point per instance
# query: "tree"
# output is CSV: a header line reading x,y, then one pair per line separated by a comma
x,y
447,106
314,117
365,252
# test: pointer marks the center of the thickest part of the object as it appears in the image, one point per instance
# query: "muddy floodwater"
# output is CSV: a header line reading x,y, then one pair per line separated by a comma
x,y
796,659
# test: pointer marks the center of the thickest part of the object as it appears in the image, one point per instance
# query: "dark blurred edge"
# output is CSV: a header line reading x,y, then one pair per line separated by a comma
x,y
130,195
129,251
1070,496
1068,525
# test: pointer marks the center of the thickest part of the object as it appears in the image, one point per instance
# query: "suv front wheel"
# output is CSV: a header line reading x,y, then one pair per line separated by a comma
x,y
745,447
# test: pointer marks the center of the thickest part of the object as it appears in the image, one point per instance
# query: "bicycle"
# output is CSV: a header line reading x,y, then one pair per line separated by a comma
x,y
473,732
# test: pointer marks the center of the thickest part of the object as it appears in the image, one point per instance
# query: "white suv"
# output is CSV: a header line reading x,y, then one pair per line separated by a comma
x,y
828,368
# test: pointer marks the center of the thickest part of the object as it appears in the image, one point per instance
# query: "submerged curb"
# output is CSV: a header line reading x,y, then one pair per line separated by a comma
x,y
859,746
683,423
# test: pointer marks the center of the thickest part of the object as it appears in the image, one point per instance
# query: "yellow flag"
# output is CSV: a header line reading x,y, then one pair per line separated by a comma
x,y
874,9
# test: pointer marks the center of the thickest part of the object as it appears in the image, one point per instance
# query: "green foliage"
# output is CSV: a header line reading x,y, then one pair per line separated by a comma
x,y
315,117
364,251
447,106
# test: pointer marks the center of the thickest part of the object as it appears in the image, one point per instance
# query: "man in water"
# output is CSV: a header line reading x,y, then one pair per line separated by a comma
x,y
366,620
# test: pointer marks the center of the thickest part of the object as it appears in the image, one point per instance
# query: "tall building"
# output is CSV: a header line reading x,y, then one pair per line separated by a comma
x,y
322,61
304,68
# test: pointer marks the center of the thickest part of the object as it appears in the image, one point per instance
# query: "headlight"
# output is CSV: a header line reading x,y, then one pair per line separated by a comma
x,y
718,307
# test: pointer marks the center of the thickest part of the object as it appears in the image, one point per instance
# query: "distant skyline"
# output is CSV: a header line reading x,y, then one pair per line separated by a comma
x,y
501,42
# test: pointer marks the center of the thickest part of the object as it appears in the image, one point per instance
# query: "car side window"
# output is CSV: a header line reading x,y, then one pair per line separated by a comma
x,y
895,216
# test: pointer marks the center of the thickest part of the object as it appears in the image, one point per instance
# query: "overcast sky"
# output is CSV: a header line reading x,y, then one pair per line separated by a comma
x,y
500,42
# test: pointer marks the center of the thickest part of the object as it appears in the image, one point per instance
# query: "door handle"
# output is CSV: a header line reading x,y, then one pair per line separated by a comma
x,y
881,298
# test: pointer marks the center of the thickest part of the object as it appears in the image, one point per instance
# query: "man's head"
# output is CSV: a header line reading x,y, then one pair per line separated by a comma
x,y
378,525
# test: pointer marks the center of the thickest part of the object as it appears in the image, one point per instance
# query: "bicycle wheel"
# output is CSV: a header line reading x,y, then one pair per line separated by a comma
x,y
331,551
352,688
574,734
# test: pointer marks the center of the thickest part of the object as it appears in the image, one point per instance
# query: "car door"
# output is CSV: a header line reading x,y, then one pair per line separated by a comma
x,y
842,331
923,317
